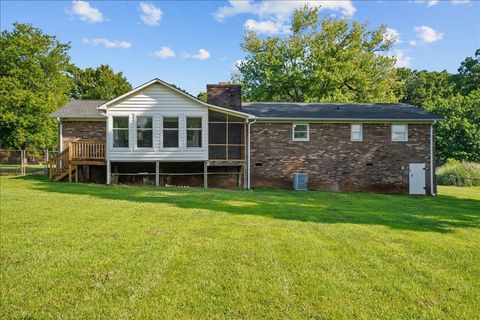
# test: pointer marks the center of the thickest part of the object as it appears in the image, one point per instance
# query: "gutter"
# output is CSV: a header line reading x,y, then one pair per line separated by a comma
x,y
248,153
432,171
360,120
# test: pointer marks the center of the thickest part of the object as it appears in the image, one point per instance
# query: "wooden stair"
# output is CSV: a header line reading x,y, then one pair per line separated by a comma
x,y
77,153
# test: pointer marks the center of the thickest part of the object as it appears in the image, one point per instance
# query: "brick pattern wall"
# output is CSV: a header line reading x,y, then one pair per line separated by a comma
x,y
336,163
225,95
83,130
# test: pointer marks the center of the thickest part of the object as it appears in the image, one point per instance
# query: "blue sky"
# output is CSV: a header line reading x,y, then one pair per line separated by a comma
x,y
191,43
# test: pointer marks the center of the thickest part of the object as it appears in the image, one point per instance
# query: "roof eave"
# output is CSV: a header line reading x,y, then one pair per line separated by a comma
x,y
290,119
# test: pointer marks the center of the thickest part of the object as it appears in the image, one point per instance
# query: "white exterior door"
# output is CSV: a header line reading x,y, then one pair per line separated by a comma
x,y
416,180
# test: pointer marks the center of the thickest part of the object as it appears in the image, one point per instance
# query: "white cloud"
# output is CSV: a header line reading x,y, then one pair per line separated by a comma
x,y
280,8
412,42
107,43
402,60
164,52
274,15
85,12
460,1
432,3
268,27
427,34
151,15
202,54
392,34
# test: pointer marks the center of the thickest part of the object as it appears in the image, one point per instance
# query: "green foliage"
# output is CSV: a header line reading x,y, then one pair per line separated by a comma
x,y
458,135
469,74
459,173
101,83
35,82
328,61
202,96
422,86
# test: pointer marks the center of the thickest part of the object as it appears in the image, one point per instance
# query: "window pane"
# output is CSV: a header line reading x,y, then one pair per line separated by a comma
x,y
398,136
194,138
120,138
144,138
355,128
120,122
170,123
300,135
194,123
355,136
170,138
144,122
301,127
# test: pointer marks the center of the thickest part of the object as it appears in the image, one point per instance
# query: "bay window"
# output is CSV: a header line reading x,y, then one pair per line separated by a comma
x,y
120,132
144,132
194,132
170,132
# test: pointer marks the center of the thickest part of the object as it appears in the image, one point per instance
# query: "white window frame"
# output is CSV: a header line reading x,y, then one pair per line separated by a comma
x,y
360,126
127,129
294,125
393,130
149,129
193,129
171,129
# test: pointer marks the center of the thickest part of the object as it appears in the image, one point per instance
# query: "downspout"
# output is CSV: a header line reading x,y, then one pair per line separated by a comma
x,y
107,148
60,136
432,171
248,152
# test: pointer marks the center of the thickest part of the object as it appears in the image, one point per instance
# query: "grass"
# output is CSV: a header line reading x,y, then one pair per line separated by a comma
x,y
459,173
92,251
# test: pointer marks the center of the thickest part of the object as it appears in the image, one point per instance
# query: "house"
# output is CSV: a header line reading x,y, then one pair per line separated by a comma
x,y
160,135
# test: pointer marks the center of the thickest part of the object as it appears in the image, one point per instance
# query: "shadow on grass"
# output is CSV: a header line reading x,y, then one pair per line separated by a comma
x,y
437,214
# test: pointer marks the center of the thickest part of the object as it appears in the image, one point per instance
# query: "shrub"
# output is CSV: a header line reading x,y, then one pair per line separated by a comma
x,y
459,173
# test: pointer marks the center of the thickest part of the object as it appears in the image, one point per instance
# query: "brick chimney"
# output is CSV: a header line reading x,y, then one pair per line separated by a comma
x,y
225,95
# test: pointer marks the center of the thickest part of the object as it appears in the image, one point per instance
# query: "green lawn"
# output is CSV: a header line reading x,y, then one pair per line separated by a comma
x,y
92,251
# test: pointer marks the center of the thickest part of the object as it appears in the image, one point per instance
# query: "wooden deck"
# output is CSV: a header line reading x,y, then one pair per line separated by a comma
x,y
82,152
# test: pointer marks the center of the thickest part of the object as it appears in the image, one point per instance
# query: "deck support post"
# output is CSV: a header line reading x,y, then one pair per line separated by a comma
x,y
109,174
205,174
157,173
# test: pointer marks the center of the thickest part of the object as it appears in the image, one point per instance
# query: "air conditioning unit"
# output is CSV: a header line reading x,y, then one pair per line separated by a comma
x,y
300,181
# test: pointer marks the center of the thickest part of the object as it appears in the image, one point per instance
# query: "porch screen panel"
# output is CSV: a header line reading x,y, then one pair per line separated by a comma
x,y
226,137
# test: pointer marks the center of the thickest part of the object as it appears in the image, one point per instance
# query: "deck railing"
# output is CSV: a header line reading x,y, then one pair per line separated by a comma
x,y
87,150
78,152
58,164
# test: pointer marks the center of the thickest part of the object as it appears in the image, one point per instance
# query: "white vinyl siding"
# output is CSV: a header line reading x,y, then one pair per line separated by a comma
x,y
158,102
300,132
399,132
356,132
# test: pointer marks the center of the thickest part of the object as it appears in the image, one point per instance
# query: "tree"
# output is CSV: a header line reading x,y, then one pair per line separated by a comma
x,y
202,96
331,61
468,78
34,69
422,86
101,83
458,134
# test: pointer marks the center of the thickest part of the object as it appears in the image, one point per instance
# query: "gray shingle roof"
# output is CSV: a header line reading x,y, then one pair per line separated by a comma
x,y
286,110
338,111
80,109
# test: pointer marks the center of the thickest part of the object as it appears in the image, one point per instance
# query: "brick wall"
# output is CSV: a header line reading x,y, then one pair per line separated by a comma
x,y
83,130
336,163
